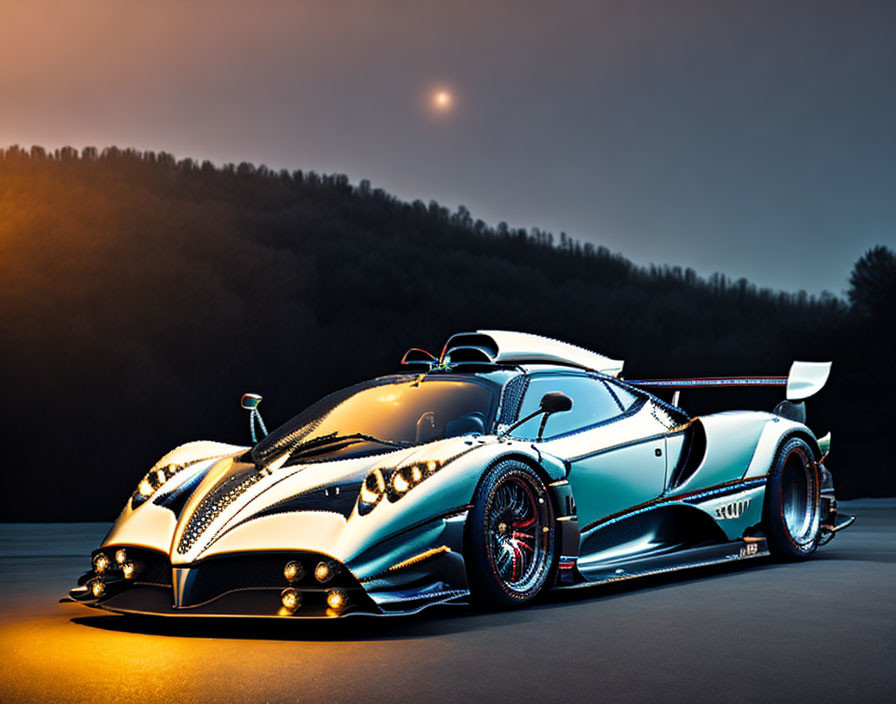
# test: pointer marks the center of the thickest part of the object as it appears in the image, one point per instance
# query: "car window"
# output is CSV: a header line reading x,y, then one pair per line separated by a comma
x,y
625,397
397,409
592,403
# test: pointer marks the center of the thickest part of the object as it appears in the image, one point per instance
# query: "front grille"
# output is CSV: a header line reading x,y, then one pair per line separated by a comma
x,y
233,585
218,575
155,567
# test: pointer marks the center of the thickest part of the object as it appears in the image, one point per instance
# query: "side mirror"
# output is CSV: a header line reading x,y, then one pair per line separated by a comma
x,y
556,402
251,402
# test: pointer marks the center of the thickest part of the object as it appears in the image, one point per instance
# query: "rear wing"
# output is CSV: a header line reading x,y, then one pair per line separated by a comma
x,y
804,380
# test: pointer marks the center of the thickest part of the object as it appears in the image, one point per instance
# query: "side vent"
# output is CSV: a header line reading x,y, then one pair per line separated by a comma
x,y
691,455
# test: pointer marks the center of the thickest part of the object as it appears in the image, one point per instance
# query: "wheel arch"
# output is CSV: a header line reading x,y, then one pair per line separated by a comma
x,y
808,437
776,433
803,434
532,463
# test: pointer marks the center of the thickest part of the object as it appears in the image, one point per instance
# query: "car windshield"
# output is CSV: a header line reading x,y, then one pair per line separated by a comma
x,y
382,414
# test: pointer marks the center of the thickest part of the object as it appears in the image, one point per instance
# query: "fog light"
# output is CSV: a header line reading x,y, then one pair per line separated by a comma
x,y
121,557
336,599
291,599
293,571
97,588
100,563
324,572
129,570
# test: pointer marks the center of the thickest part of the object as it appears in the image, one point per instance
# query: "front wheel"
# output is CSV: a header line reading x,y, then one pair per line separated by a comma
x,y
792,503
510,539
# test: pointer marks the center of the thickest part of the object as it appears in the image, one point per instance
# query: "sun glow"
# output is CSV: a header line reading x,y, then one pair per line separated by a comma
x,y
442,100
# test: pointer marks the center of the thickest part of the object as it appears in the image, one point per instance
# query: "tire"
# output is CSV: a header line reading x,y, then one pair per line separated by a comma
x,y
792,514
511,543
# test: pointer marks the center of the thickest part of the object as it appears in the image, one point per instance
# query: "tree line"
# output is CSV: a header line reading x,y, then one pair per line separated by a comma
x,y
143,294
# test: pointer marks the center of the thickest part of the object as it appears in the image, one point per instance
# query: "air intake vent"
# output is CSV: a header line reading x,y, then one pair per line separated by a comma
x,y
474,340
506,347
468,355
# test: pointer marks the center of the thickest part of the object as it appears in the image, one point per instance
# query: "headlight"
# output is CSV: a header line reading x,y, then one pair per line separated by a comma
x,y
400,483
154,479
401,480
405,478
372,489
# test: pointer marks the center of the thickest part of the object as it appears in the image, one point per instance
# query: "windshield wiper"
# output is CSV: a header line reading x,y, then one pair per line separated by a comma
x,y
335,438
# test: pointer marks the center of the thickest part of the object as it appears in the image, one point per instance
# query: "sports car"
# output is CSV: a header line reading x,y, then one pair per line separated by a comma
x,y
509,465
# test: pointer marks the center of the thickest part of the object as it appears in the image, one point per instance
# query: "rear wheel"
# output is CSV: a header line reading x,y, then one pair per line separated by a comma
x,y
792,502
510,540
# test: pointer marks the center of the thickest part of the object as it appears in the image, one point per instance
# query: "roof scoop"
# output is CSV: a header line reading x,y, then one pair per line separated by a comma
x,y
506,347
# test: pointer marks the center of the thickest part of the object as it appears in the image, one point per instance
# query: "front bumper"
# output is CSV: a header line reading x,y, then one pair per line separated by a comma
x,y
252,585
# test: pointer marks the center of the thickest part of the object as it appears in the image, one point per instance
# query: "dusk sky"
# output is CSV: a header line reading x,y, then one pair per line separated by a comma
x,y
753,138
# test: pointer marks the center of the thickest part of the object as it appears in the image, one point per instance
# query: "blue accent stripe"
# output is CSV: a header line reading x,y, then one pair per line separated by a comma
x,y
733,489
683,498
710,382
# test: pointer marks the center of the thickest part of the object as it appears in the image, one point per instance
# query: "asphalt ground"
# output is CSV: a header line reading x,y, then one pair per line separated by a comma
x,y
760,631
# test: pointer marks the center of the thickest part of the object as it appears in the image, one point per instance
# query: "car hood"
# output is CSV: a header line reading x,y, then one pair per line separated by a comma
x,y
237,505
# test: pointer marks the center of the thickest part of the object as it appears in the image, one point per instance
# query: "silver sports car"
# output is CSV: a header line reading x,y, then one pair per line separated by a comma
x,y
509,465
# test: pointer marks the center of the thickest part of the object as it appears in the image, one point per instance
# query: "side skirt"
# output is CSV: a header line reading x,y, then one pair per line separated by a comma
x,y
735,550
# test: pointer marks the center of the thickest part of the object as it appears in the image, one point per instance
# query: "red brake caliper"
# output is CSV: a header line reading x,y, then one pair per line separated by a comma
x,y
517,558
519,535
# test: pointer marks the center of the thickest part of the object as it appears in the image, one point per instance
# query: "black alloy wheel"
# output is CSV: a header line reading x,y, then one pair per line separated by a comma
x,y
511,536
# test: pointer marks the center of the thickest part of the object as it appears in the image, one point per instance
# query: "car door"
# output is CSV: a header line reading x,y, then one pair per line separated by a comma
x,y
613,444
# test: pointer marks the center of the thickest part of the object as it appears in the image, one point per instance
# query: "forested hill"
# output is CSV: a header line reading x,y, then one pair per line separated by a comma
x,y
142,295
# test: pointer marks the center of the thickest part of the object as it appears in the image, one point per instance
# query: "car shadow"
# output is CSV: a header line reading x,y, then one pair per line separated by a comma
x,y
435,621
666,580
